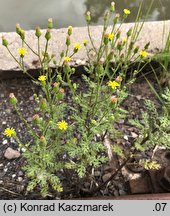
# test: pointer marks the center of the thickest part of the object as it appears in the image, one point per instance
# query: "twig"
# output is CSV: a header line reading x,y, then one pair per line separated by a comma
x,y
9,191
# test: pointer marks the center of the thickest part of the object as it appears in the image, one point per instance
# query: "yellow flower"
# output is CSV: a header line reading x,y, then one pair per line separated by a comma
x,y
22,51
85,42
77,46
143,53
42,78
62,125
67,59
113,84
110,36
126,11
10,132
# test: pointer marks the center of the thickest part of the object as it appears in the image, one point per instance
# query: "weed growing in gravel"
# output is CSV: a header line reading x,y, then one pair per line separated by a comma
x,y
154,129
75,142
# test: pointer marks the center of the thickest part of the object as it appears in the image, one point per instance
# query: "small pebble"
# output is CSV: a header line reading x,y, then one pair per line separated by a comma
x,y
97,173
14,175
106,177
4,142
4,122
1,182
134,135
139,97
126,137
20,173
20,179
6,169
121,121
8,111
29,119
31,98
20,188
23,149
11,154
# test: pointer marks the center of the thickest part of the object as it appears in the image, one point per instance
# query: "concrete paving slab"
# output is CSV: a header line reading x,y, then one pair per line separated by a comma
x,y
151,31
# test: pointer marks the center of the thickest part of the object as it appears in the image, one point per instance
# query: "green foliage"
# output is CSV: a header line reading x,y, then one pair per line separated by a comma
x,y
154,126
56,144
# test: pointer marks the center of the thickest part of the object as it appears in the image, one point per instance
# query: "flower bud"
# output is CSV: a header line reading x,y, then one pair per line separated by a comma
x,y
122,56
114,99
112,7
85,42
70,30
42,140
50,23
4,41
75,86
22,34
35,96
106,16
36,119
120,46
62,54
147,46
48,35
37,32
54,62
106,39
116,19
43,104
52,55
131,45
73,70
18,29
129,32
100,70
68,42
12,99
101,61
60,94
136,49
88,17
67,68
118,34
118,79
110,56
56,87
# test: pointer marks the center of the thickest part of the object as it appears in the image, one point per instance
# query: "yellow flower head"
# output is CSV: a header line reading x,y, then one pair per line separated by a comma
x,y
110,36
77,46
143,53
22,51
42,78
113,84
126,11
67,59
85,42
62,125
9,132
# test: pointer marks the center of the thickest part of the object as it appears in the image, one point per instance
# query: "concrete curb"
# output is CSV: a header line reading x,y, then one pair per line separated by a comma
x,y
152,31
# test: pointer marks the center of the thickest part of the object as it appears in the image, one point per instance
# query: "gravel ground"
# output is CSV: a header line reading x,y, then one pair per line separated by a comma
x,y
12,179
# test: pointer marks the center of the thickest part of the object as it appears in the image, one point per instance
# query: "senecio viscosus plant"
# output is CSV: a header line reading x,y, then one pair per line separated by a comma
x,y
76,143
